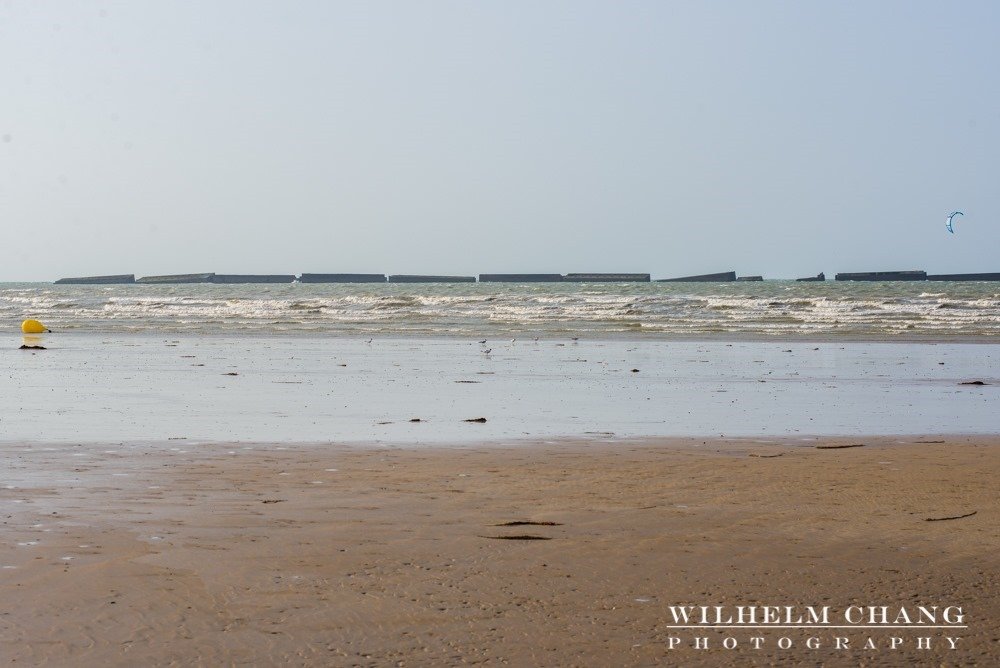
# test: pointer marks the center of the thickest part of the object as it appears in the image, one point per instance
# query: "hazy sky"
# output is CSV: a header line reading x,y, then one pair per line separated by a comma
x,y
774,138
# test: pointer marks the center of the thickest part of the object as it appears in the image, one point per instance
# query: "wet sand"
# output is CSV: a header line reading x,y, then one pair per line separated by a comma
x,y
307,388
215,554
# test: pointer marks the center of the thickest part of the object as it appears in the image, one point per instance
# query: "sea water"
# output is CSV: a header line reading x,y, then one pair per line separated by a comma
x,y
336,363
770,309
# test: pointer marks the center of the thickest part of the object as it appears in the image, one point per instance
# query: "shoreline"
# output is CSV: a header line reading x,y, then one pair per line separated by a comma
x,y
527,336
119,555
720,444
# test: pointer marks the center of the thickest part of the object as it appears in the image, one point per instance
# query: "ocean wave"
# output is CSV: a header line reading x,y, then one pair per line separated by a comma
x,y
768,308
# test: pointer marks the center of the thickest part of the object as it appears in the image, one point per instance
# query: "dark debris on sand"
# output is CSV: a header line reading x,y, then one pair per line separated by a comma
x,y
528,523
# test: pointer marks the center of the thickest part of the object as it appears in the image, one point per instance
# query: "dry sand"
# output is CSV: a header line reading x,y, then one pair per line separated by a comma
x,y
326,555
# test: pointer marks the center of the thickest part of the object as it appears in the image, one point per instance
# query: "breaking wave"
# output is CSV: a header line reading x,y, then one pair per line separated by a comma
x,y
769,308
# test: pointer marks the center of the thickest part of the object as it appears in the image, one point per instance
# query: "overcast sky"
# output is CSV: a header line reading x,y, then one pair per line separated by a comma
x,y
774,138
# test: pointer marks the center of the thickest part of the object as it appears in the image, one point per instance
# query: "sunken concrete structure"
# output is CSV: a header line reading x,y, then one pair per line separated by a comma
x,y
342,278
412,278
606,278
818,277
721,277
749,279
98,280
252,278
520,278
993,276
914,275
177,278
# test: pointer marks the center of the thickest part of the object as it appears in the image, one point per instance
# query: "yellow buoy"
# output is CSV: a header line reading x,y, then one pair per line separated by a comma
x,y
33,327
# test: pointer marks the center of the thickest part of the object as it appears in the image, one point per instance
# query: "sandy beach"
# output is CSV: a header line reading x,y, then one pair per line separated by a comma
x,y
314,501
167,554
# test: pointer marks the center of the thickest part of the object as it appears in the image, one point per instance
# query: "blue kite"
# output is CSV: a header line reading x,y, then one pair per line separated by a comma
x,y
949,223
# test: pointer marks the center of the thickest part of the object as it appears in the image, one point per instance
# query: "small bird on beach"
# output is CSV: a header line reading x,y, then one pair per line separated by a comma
x,y
483,341
487,351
